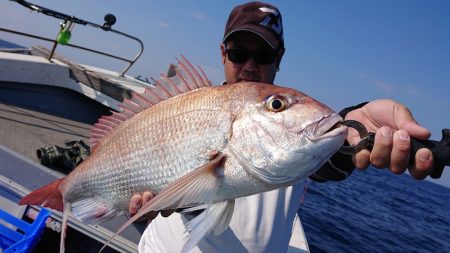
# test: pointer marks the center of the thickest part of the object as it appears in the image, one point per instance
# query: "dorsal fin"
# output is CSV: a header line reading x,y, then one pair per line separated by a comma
x,y
181,78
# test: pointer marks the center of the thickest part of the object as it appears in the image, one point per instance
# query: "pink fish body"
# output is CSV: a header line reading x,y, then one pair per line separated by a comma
x,y
192,144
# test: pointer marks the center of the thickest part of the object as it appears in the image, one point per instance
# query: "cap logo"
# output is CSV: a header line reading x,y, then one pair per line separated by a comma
x,y
272,21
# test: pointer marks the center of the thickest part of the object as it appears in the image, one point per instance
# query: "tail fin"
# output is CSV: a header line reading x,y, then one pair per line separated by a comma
x,y
46,196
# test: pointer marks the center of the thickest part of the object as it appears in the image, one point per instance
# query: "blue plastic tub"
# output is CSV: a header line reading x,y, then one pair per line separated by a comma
x,y
25,236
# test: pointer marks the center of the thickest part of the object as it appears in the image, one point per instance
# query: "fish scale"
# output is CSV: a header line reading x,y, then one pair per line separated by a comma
x,y
163,169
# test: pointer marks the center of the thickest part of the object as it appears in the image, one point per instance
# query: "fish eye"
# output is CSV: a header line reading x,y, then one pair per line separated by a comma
x,y
276,104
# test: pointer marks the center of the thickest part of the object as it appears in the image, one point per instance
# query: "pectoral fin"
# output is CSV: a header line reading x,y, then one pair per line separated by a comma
x,y
197,187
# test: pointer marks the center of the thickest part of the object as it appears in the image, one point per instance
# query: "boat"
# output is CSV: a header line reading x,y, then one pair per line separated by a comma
x,y
48,104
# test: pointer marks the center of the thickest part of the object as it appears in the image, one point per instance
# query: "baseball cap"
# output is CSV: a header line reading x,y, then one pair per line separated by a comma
x,y
260,18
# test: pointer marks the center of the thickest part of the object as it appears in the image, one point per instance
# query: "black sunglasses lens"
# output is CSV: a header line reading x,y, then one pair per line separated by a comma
x,y
260,57
264,57
237,55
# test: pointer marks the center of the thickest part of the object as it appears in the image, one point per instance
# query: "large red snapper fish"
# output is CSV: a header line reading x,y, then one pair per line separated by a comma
x,y
196,145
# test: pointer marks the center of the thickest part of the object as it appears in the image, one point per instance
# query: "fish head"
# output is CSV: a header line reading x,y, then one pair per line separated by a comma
x,y
282,135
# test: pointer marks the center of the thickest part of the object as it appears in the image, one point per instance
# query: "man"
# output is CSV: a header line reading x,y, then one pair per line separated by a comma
x,y
252,50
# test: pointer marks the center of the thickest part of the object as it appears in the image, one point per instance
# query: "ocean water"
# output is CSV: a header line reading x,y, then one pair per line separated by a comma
x,y
376,211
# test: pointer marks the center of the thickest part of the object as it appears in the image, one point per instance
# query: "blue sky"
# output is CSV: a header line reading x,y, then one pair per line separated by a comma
x,y
339,52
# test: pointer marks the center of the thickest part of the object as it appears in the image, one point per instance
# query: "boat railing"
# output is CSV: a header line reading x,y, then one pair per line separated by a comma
x,y
64,34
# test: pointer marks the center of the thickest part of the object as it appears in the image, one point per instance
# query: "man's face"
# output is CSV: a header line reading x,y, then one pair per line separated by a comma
x,y
243,45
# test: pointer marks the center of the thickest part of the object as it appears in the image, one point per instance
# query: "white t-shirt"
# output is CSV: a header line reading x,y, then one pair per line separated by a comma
x,y
260,223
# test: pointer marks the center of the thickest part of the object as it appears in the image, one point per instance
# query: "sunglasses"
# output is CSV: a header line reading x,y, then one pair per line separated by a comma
x,y
262,57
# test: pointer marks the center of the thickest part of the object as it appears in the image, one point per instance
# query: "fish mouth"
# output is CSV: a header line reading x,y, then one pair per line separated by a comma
x,y
325,128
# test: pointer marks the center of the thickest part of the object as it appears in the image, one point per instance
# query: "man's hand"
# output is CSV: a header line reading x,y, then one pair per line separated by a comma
x,y
393,124
137,201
